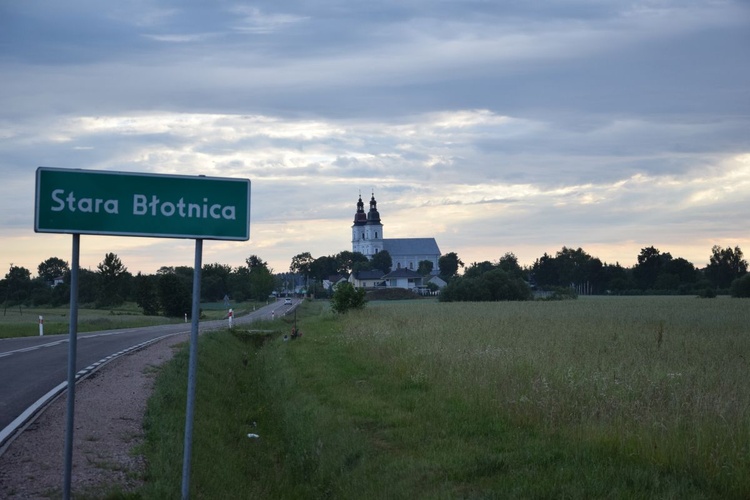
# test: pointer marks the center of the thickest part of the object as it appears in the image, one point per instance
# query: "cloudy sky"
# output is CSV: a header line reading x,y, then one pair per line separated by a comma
x,y
492,125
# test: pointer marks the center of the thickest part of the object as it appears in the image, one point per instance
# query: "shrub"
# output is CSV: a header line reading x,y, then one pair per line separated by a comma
x,y
741,286
562,293
391,294
492,285
347,297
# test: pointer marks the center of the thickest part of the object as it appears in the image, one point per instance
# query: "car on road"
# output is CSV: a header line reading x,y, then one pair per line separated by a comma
x,y
287,302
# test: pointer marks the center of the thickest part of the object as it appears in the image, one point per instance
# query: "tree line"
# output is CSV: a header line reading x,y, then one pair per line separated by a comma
x,y
655,272
573,271
568,272
167,292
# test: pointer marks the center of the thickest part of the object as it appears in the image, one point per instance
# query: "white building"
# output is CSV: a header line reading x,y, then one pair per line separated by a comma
x,y
406,253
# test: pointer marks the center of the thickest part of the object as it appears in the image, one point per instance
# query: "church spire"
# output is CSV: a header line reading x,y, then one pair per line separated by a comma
x,y
373,216
360,217
367,230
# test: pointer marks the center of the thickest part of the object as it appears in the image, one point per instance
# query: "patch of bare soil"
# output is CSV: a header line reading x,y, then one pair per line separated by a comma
x,y
110,407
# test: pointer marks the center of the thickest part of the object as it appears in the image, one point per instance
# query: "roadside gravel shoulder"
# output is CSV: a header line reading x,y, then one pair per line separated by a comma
x,y
110,407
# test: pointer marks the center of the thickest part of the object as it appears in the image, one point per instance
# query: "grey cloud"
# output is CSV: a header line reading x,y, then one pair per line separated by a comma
x,y
569,98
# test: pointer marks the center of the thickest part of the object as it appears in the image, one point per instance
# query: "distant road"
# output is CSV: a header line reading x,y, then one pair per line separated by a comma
x,y
32,369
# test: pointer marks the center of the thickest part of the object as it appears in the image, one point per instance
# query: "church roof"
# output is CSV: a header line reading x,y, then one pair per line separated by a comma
x,y
374,274
411,246
402,273
335,278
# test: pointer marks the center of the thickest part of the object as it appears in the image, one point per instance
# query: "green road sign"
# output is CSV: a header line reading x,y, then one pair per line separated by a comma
x,y
128,204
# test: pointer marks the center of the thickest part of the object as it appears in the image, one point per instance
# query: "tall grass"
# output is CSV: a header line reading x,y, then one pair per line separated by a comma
x,y
662,379
600,397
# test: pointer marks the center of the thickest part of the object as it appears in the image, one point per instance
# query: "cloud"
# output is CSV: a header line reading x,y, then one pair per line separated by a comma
x,y
502,126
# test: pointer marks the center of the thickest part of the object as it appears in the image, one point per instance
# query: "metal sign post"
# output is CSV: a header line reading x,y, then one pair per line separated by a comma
x,y
192,369
72,348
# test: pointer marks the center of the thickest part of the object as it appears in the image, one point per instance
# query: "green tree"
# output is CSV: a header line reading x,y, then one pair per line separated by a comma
x,y
365,265
741,286
147,294
262,282
175,294
302,264
667,282
347,260
17,285
684,270
509,264
544,270
215,282
617,279
52,268
323,267
383,261
239,283
112,282
476,269
346,297
40,293
449,264
88,286
254,262
725,265
425,267
651,262
573,266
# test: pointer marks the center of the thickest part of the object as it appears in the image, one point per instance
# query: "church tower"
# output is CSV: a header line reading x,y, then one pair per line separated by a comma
x,y
367,230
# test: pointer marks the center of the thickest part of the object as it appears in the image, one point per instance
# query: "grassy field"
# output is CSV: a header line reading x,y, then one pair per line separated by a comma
x,y
15,322
24,322
627,397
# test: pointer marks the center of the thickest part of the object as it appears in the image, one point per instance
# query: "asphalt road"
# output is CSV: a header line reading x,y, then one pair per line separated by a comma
x,y
33,369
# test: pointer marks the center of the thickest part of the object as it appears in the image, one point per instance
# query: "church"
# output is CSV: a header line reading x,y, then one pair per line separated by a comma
x,y
406,253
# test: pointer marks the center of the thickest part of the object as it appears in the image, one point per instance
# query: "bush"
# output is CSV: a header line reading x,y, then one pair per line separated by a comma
x,y
741,286
562,293
347,297
391,294
492,285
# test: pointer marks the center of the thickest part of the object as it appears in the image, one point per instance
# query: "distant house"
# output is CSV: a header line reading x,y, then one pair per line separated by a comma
x,y
438,281
403,278
333,280
367,279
